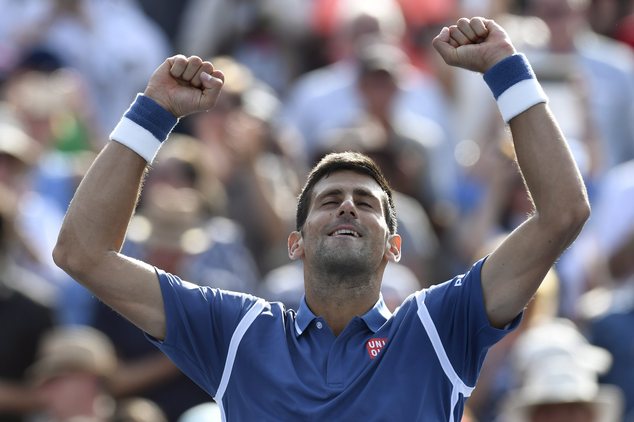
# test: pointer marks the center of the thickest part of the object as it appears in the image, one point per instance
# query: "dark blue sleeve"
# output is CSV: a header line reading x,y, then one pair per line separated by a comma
x,y
457,309
200,322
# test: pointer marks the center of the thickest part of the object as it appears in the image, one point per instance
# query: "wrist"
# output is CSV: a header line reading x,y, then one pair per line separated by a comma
x,y
514,86
498,56
144,127
155,95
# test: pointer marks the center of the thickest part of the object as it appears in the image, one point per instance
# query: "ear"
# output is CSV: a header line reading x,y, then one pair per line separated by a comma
x,y
295,245
393,248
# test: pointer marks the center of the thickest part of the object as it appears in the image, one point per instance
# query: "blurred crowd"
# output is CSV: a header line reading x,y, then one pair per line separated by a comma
x,y
303,78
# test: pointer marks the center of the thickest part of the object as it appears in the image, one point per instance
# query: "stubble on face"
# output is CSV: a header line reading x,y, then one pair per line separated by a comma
x,y
345,261
345,256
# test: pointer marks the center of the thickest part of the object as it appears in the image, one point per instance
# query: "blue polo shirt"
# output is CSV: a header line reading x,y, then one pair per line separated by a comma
x,y
263,362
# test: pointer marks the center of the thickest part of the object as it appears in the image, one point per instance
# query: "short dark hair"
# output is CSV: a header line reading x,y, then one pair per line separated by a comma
x,y
340,161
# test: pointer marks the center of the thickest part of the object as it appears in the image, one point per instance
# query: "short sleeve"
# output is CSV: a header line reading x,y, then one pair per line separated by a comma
x,y
200,321
457,310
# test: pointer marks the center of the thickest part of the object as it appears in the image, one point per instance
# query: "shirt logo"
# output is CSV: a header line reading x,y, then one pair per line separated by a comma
x,y
374,346
458,282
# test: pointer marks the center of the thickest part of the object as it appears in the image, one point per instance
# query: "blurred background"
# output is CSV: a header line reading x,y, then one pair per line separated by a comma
x,y
304,78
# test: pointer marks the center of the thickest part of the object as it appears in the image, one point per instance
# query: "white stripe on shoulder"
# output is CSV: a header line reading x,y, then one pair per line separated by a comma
x,y
236,338
432,332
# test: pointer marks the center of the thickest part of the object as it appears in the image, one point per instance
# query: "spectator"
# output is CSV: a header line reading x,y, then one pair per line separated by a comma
x,y
558,369
243,150
263,36
608,309
71,374
86,35
46,177
72,377
328,98
26,314
604,67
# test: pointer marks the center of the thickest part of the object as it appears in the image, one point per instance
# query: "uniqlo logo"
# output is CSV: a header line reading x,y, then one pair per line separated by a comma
x,y
374,346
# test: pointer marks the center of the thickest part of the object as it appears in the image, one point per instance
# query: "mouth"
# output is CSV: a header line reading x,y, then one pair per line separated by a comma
x,y
345,233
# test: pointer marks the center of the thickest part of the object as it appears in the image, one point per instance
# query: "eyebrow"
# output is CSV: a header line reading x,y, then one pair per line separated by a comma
x,y
355,192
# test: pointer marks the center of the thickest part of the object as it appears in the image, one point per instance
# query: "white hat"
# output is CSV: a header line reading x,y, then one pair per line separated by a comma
x,y
558,365
558,380
205,412
72,349
559,337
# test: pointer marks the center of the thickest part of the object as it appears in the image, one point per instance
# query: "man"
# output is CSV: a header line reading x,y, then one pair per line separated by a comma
x,y
557,374
72,378
71,375
341,356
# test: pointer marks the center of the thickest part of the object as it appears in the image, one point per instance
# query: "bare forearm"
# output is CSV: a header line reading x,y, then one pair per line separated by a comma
x,y
547,165
98,216
94,228
92,235
513,272
18,398
134,377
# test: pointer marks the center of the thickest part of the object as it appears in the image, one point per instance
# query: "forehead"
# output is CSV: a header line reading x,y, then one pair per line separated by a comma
x,y
347,181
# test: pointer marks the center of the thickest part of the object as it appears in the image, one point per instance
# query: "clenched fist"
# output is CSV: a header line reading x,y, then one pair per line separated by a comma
x,y
474,44
185,85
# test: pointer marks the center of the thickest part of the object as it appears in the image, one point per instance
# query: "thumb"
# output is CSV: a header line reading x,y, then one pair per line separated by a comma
x,y
213,81
442,44
211,84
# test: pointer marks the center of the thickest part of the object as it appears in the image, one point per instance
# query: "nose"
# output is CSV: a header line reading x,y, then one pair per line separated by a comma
x,y
347,207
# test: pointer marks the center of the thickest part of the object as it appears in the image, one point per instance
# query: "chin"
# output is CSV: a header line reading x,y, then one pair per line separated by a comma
x,y
345,263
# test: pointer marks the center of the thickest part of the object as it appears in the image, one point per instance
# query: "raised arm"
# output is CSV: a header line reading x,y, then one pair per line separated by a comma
x,y
514,271
89,243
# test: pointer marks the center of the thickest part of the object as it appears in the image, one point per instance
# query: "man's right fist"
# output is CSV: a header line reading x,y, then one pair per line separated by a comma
x,y
185,85
474,44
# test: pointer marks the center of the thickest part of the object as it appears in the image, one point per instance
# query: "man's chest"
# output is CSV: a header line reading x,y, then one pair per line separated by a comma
x,y
319,374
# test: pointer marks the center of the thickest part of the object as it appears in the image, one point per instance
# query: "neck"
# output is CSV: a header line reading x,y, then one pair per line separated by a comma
x,y
338,299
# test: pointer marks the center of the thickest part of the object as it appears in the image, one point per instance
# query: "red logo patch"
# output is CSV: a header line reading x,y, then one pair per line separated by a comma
x,y
374,346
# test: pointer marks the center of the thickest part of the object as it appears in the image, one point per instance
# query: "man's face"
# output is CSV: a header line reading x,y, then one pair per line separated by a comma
x,y
563,20
65,396
378,89
345,231
563,412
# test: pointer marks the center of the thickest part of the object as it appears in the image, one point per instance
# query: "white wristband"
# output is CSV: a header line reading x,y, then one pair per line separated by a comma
x,y
143,127
514,86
